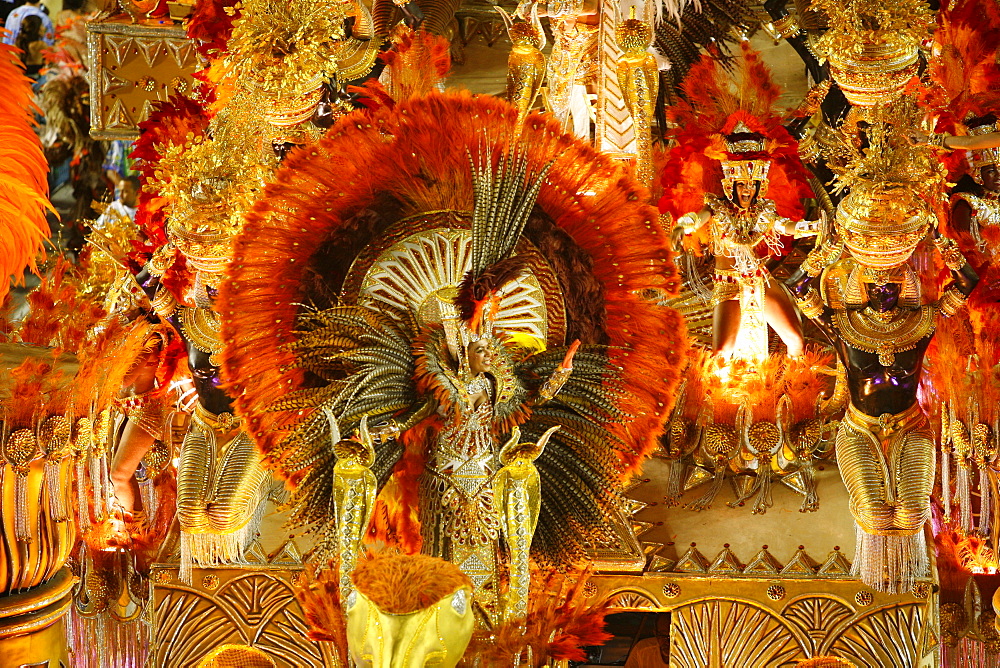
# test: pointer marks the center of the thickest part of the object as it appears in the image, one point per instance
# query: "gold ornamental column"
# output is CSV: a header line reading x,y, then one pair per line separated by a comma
x,y
36,527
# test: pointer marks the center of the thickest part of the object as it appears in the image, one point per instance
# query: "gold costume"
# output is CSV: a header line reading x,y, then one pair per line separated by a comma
x,y
459,519
887,463
220,486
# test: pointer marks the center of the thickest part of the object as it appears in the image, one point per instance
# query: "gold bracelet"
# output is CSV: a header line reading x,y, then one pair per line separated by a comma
x,y
811,305
950,253
952,301
688,221
787,26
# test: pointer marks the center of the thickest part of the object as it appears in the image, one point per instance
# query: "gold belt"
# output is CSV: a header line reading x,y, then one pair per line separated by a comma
x,y
886,423
215,421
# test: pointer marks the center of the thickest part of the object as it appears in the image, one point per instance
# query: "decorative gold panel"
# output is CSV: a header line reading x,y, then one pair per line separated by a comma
x,y
132,66
769,623
252,606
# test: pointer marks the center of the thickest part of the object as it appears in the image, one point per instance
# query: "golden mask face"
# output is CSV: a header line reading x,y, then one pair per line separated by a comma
x,y
434,636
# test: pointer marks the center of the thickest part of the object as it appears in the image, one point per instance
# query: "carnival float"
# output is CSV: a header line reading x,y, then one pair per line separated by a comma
x,y
489,334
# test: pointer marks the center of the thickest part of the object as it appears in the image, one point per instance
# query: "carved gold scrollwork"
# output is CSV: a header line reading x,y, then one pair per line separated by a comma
x,y
250,607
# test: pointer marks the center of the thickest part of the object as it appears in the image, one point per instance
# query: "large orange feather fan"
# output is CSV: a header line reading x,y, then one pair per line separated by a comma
x,y
23,174
418,151
412,158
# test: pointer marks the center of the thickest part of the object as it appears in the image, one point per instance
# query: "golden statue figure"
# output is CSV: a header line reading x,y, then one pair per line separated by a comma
x,y
885,448
526,64
639,79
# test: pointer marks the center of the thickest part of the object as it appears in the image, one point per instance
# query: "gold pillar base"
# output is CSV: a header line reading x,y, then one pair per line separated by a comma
x,y
32,628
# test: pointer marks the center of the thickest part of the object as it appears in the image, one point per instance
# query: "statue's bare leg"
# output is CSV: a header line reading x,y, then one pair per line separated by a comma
x,y
135,442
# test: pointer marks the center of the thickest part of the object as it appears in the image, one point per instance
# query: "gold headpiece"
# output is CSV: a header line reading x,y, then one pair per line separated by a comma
x,y
883,223
634,34
208,189
873,47
744,141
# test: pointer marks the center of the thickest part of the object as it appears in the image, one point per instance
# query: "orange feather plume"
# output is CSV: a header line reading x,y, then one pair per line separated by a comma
x,y
23,173
560,625
964,73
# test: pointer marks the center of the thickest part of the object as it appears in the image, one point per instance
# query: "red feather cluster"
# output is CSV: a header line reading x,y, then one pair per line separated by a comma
x,y
211,25
711,109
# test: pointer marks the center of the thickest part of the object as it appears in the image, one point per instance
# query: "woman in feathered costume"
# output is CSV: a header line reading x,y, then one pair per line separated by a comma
x,y
735,138
447,258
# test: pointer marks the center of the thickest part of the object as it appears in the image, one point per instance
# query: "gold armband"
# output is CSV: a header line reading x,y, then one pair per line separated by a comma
x,y
952,301
938,139
163,303
950,253
787,26
814,263
811,305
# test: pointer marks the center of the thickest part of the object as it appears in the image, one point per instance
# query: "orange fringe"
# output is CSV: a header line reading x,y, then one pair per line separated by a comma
x,y
559,626
400,584
319,596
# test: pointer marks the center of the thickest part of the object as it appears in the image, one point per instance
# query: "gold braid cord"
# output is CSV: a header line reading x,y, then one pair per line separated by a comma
x,y
402,175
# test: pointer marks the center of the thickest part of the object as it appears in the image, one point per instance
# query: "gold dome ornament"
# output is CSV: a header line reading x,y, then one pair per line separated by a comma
x,y
873,48
882,223
877,75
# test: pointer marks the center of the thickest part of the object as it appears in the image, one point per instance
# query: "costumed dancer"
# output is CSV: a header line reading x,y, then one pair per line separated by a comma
x,y
437,314
962,94
737,140
885,448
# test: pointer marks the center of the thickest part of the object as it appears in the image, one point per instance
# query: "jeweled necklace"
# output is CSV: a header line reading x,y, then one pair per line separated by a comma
x,y
478,384
862,332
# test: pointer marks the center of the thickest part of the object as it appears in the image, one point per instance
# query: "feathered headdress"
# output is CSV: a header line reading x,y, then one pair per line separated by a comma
x,y
23,173
504,196
964,76
727,128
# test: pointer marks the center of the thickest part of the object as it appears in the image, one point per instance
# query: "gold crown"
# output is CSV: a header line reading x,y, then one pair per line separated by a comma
x,y
745,170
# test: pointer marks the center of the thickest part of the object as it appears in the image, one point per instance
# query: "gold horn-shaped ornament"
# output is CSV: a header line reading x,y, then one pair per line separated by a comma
x,y
517,491
354,491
